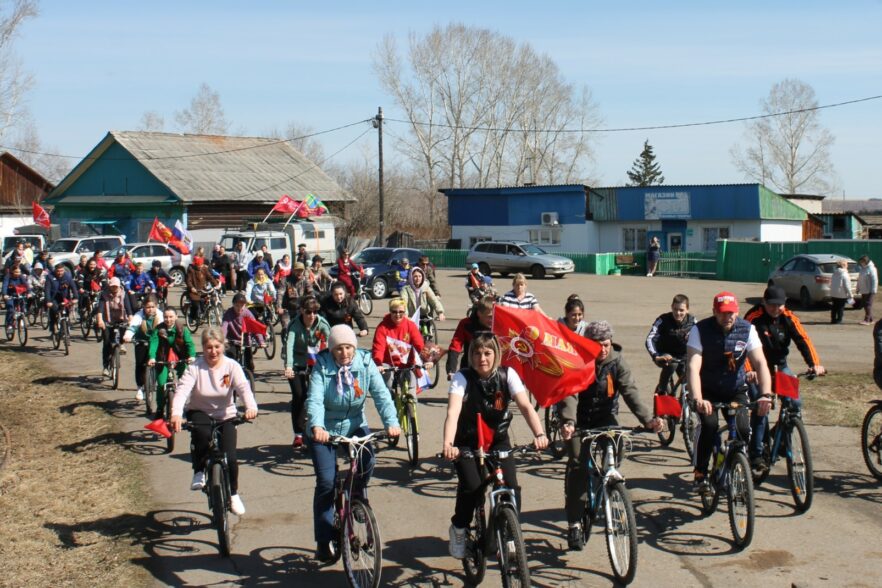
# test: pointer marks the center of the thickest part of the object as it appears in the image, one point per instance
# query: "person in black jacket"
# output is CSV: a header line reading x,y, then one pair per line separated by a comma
x,y
222,265
595,407
666,341
339,308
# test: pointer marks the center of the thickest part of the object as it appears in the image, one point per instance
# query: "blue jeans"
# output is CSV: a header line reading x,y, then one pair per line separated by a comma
x,y
324,461
758,424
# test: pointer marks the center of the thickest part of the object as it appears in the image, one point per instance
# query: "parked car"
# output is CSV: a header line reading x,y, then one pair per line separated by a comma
x,y
172,261
67,251
807,277
380,264
509,257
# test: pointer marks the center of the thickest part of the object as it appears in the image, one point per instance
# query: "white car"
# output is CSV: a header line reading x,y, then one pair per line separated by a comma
x,y
172,261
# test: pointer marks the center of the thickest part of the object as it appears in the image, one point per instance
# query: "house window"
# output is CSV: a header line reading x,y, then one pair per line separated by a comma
x,y
546,236
711,234
633,239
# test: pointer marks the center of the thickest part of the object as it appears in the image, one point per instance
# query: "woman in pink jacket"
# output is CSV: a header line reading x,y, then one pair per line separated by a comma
x,y
208,392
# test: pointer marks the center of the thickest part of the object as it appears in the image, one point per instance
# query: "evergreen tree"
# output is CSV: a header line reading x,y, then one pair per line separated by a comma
x,y
646,171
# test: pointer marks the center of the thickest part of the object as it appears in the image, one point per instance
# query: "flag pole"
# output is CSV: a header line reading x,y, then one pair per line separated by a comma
x,y
302,202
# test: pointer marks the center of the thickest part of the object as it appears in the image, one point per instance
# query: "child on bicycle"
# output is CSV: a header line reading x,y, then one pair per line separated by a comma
x,y
169,340
233,325
597,406
339,384
208,392
666,341
486,389
140,329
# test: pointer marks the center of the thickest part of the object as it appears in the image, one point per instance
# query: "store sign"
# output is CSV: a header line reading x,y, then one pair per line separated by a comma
x,y
666,205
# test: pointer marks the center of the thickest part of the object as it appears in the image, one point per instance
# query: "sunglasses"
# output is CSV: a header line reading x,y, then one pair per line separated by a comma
x,y
396,312
310,312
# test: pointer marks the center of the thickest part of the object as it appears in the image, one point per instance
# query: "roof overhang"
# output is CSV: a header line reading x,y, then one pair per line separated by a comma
x,y
115,200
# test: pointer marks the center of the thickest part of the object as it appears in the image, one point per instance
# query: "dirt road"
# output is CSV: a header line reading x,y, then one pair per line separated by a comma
x,y
835,543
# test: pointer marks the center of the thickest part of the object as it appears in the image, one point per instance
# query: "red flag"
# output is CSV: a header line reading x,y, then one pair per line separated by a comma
x,y
249,325
553,361
163,234
172,356
159,426
667,406
786,385
485,434
286,204
41,217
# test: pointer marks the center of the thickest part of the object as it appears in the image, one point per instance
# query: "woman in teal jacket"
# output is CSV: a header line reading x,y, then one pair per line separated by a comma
x,y
341,379
307,335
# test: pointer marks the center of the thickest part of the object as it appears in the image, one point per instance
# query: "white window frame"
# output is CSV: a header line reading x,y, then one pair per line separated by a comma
x,y
546,236
637,238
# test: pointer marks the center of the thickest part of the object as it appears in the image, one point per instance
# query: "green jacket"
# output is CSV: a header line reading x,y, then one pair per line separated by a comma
x,y
300,338
163,338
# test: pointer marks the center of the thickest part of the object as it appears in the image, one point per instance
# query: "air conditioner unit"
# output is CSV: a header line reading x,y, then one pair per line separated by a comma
x,y
549,219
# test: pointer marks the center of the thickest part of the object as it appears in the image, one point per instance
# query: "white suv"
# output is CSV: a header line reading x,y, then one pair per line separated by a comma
x,y
67,251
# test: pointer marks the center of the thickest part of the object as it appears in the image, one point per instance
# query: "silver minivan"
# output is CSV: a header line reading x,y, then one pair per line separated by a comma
x,y
510,257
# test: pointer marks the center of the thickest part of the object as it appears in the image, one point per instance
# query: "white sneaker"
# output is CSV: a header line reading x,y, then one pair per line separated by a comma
x,y
457,542
105,372
236,505
198,482
139,395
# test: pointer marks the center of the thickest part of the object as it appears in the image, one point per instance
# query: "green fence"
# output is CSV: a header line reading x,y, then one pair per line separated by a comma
x,y
692,264
586,263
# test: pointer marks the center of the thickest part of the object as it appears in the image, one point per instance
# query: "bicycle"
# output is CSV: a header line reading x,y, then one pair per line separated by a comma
x,y
609,499
731,474
151,390
217,483
357,536
688,418
430,336
362,298
36,309
210,309
239,356
502,531
266,314
17,324
406,407
871,439
788,439
115,354
60,332
553,424
88,320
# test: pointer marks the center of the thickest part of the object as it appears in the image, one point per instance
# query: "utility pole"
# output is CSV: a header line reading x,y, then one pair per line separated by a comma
x,y
378,124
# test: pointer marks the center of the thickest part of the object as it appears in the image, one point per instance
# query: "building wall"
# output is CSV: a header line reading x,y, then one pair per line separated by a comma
x,y
781,231
573,238
116,173
10,222
515,206
18,187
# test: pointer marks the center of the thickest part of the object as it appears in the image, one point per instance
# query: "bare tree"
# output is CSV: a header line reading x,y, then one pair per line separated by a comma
x,y
205,116
483,111
30,149
14,81
790,151
298,135
152,120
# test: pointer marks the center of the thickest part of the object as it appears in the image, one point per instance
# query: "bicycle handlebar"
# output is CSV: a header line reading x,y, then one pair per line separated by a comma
x,y
344,440
598,431
239,419
468,452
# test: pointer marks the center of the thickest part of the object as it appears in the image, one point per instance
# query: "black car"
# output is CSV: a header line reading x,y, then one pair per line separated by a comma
x,y
380,265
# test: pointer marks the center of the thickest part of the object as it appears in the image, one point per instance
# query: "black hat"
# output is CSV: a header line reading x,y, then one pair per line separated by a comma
x,y
301,245
774,295
316,258
239,297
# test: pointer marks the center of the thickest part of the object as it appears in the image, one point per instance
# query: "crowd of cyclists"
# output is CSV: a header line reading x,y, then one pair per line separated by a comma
x,y
724,357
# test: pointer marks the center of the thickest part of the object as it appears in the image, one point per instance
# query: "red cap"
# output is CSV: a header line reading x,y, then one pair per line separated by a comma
x,y
725,302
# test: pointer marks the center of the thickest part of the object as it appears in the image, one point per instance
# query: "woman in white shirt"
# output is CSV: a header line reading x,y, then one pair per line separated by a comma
x,y
208,391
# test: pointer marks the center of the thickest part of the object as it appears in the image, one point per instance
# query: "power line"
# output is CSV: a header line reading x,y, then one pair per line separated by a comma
x,y
647,128
189,155
314,165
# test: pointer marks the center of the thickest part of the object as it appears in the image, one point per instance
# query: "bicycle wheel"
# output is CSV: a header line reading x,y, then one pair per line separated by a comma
x,y
739,495
44,318
475,562
512,553
270,349
621,533
411,434
150,391
362,546
55,335
399,409
249,375
689,421
65,332
666,436
365,303
800,469
871,440
114,367
22,328
552,428
215,315
33,312
219,516
10,329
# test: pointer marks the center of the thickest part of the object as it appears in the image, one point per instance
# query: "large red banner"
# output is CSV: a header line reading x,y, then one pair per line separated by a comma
x,y
553,361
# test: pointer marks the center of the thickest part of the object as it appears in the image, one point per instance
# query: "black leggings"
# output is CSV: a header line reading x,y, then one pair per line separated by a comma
x,y
141,353
299,387
708,426
469,491
200,438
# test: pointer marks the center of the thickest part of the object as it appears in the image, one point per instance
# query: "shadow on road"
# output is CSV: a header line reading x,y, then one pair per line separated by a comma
x,y
849,485
139,442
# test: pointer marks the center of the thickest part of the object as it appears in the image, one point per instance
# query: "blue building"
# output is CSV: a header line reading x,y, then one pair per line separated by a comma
x,y
576,218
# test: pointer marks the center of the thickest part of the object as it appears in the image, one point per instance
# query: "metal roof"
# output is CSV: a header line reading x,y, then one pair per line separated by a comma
x,y
861,206
214,168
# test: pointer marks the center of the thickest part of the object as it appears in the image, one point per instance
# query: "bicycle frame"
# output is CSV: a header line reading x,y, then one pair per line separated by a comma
x,y
601,475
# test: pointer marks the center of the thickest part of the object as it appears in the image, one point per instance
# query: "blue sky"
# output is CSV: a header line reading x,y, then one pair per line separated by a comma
x,y
100,65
